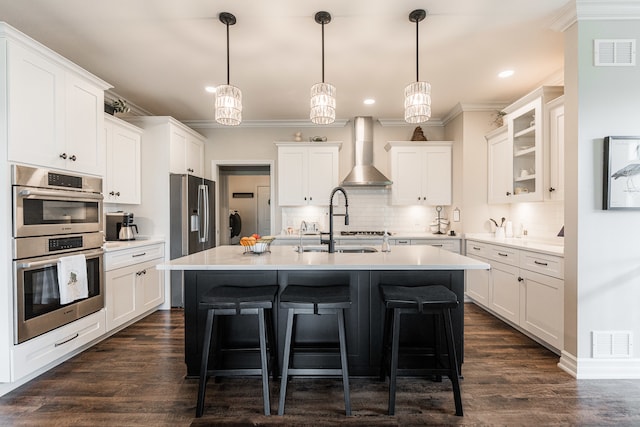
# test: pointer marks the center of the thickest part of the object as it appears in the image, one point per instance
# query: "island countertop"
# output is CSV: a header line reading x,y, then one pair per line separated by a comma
x,y
287,258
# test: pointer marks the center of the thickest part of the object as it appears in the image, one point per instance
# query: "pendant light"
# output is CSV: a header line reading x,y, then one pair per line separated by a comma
x,y
228,98
417,96
323,95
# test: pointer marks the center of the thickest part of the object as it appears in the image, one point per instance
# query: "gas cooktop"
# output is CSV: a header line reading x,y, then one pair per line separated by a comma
x,y
362,233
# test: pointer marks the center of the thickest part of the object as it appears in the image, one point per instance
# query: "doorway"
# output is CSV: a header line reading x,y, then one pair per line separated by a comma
x,y
244,192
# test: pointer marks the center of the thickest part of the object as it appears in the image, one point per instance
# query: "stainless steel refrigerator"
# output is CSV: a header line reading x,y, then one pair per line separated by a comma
x,y
192,213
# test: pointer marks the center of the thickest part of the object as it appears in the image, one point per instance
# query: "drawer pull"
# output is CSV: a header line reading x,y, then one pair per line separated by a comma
x,y
437,246
137,255
141,272
540,263
58,344
475,248
520,279
501,254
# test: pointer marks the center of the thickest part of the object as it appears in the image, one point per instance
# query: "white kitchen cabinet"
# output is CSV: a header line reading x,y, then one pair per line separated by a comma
x,y
477,282
187,152
133,286
516,164
54,108
62,342
554,149
122,179
421,173
451,245
307,173
525,288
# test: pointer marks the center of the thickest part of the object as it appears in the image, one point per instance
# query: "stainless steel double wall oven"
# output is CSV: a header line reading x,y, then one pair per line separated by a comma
x,y
55,214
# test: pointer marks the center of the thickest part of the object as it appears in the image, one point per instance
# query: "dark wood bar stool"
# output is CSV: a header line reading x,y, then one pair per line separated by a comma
x,y
231,301
299,299
433,300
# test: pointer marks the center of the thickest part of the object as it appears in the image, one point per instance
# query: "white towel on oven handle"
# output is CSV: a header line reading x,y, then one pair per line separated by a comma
x,y
72,278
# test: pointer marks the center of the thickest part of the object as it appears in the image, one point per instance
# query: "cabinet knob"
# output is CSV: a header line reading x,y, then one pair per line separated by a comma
x,y
551,189
111,193
520,279
73,158
63,156
118,193
189,170
508,193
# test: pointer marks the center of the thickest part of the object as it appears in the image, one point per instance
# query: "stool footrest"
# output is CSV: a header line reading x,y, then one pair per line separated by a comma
x,y
316,372
234,372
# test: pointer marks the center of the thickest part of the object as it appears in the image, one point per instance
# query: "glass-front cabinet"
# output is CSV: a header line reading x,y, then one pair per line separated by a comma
x,y
516,151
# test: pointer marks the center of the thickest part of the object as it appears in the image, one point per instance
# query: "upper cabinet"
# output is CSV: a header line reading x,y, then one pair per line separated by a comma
x,y
516,159
122,180
307,173
421,172
554,149
54,109
187,152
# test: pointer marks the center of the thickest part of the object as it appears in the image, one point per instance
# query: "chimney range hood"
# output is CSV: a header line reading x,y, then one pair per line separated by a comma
x,y
364,173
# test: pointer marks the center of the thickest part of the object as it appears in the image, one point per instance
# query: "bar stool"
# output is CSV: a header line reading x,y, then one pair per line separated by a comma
x,y
435,300
299,299
231,301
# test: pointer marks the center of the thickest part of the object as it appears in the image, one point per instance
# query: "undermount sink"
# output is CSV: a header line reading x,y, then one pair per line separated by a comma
x,y
342,249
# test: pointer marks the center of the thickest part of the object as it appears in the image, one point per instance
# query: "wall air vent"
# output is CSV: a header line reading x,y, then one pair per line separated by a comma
x,y
614,52
612,344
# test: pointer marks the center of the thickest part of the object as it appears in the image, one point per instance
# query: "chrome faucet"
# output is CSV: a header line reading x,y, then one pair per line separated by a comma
x,y
331,242
303,225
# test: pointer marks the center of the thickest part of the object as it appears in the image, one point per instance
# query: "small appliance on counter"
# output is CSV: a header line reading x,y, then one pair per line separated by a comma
x,y
120,226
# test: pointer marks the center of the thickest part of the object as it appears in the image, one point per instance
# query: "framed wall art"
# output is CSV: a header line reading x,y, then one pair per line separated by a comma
x,y
621,172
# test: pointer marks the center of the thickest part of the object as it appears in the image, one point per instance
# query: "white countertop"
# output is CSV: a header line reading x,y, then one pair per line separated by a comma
x,y
395,235
551,246
113,246
286,258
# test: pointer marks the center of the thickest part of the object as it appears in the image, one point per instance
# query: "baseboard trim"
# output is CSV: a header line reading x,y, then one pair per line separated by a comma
x,y
599,369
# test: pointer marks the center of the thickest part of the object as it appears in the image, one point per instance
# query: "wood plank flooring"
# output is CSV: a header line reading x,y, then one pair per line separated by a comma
x,y
136,377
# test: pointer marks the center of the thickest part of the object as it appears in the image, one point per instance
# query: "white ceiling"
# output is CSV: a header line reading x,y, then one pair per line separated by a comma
x,y
160,54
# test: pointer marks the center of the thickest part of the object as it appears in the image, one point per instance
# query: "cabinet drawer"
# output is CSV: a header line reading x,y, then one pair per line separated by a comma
x,y
504,254
450,245
400,241
477,249
38,352
126,257
543,264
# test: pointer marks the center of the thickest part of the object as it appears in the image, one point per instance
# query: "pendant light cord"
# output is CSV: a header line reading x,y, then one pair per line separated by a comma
x,y
323,52
227,53
417,49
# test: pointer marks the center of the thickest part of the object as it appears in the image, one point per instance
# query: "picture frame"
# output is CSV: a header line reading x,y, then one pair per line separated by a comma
x,y
621,172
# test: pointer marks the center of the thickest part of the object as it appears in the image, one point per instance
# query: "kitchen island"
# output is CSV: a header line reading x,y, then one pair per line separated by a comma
x,y
404,265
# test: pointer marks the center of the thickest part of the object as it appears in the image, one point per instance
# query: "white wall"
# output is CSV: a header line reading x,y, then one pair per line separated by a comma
x,y
602,250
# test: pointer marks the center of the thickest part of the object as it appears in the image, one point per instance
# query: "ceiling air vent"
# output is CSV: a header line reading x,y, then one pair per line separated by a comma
x,y
614,52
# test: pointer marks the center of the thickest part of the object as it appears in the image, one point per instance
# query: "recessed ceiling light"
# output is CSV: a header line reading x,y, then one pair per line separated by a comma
x,y
506,73
210,89
369,101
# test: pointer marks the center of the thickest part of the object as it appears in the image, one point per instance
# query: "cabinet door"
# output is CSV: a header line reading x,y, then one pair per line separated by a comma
x,y
406,174
477,285
542,311
322,174
525,133
120,293
505,291
35,109
500,168
123,171
150,287
554,188
177,149
436,184
292,172
84,126
194,156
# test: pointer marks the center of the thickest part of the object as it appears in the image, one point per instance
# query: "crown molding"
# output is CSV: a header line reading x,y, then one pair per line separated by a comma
x,y
110,96
469,107
400,122
212,124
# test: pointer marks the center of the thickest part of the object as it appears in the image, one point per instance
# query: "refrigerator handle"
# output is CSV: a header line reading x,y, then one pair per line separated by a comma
x,y
201,211
205,236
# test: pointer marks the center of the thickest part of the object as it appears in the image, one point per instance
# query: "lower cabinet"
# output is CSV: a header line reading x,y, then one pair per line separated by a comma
x,y
134,289
451,245
524,288
38,352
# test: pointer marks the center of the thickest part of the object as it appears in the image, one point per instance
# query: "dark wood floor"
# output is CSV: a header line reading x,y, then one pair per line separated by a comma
x,y
137,378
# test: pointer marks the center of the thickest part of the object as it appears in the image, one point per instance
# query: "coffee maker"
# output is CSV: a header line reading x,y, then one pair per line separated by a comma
x,y
119,226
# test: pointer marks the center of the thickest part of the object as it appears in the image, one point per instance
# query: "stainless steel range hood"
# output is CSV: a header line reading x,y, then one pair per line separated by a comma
x,y
364,173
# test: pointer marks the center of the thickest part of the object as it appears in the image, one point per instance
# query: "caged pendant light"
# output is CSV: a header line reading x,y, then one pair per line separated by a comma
x,y
228,108
417,96
323,95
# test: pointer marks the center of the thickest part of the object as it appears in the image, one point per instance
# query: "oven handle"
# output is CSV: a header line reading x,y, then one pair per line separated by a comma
x,y
66,194
35,264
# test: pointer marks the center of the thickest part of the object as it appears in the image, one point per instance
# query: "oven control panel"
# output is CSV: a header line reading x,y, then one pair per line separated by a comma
x,y
65,243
